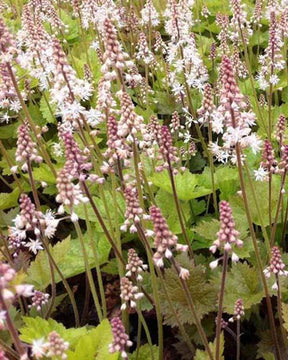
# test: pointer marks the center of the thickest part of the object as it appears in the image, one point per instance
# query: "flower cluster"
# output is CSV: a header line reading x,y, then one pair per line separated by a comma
x,y
32,220
232,118
135,266
129,293
39,299
276,266
149,14
227,235
167,152
26,148
55,346
238,310
165,241
134,213
272,61
120,338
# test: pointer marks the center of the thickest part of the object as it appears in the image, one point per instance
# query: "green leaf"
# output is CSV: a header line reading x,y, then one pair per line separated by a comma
x,y
37,328
203,293
208,229
36,115
95,344
145,353
166,203
185,184
261,193
8,131
68,256
43,173
7,217
242,282
226,179
8,200
79,210
46,111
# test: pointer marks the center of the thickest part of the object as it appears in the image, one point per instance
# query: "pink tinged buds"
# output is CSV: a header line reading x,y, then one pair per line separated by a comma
x,y
113,57
135,266
144,52
26,148
129,293
207,103
117,147
269,162
166,148
227,235
27,212
184,273
76,161
280,129
238,310
175,125
133,212
7,43
130,123
276,266
120,338
69,194
165,241
56,346
39,299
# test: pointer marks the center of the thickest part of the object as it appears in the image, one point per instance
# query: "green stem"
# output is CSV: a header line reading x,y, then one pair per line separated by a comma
x,y
274,228
97,265
263,228
146,329
178,208
88,272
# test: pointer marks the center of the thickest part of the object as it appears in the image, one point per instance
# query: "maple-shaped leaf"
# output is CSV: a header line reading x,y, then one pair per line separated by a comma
x,y
203,293
242,282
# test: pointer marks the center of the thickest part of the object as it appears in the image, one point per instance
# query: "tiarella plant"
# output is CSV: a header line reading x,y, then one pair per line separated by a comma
x,y
143,179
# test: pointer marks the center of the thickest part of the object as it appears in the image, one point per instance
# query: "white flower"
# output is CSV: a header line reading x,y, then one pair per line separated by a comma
x,y
5,118
24,290
57,150
274,79
261,174
177,89
234,257
74,217
34,246
38,348
95,45
275,286
184,273
213,264
14,169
